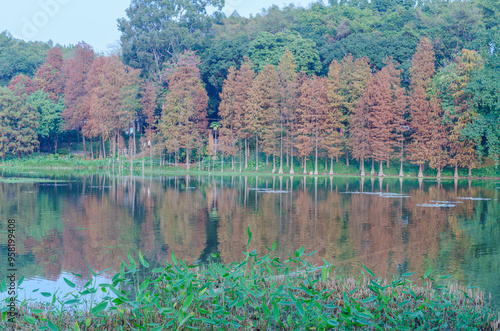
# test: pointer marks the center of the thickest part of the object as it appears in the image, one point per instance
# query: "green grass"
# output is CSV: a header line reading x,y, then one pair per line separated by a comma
x,y
18,180
68,162
261,292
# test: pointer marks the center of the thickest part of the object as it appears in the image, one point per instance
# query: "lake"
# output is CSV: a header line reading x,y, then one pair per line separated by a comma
x,y
65,223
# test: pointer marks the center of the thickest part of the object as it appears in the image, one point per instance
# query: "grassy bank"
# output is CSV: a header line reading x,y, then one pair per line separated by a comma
x,y
262,292
72,162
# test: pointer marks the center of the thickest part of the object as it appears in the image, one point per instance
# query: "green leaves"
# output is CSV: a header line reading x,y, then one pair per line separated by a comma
x,y
249,235
99,308
427,273
288,294
70,283
369,271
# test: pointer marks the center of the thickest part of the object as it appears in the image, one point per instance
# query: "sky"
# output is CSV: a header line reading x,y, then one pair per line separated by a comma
x,y
93,21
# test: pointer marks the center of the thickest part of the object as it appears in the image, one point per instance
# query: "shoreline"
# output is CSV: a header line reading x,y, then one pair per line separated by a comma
x,y
176,170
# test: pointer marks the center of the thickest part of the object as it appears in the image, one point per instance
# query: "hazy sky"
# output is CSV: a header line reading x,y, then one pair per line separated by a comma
x,y
93,21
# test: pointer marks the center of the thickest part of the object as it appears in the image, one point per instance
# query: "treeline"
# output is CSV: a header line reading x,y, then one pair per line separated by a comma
x,y
332,81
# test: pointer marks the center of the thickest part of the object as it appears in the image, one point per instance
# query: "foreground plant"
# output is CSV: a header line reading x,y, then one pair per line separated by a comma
x,y
259,293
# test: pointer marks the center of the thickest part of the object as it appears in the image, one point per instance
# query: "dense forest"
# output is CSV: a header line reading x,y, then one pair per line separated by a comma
x,y
417,81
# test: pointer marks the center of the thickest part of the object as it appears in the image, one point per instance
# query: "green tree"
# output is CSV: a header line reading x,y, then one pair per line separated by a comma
x,y
49,115
19,124
156,31
269,48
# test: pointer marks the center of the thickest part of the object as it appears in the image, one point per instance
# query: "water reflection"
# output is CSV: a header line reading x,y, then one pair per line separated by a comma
x,y
390,225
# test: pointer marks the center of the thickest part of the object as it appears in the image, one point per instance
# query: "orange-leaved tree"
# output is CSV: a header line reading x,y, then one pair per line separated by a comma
x,y
184,116
288,89
262,117
76,69
312,108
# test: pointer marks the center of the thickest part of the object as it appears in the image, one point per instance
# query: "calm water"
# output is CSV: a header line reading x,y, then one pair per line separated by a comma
x,y
391,226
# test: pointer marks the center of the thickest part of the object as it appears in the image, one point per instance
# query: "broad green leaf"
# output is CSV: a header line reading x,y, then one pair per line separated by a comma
x,y
70,283
266,310
249,235
276,312
370,299
188,302
174,259
427,273
100,307
30,319
141,259
52,326
369,271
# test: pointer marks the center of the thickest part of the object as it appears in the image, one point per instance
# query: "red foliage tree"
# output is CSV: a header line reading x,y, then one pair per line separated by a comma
x,y
428,139
184,116
263,110
49,77
22,84
227,111
288,88
313,104
76,70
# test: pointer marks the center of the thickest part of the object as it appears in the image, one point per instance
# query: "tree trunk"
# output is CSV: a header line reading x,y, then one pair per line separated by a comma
x,y
267,159
232,163
362,166
176,157
246,153
470,169
381,170
188,151
222,162
291,165
274,164
420,171
456,171
305,165
100,147
91,149
135,145
55,144
84,146
256,154
439,173
347,158
104,148
331,166
281,151
316,164
372,172
401,174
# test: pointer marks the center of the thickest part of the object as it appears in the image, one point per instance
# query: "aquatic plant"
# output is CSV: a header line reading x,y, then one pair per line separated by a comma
x,y
262,292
